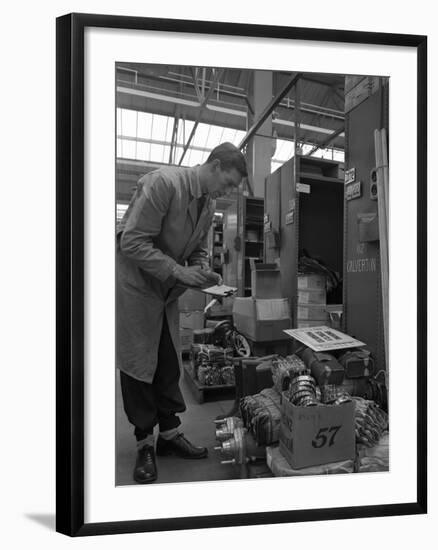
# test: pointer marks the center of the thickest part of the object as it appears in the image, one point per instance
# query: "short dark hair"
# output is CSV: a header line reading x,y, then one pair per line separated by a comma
x,y
230,157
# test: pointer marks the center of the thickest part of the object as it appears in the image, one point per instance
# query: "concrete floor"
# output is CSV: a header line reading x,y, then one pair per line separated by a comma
x,y
197,426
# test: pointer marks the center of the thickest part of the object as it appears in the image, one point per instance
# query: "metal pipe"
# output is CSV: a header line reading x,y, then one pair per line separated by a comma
x,y
297,113
195,83
268,110
324,144
174,138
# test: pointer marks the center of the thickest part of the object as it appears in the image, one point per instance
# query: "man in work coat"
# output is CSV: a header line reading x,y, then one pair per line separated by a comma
x,y
161,250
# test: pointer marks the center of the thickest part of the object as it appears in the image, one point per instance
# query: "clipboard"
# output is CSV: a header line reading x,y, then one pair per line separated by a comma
x,y
220,291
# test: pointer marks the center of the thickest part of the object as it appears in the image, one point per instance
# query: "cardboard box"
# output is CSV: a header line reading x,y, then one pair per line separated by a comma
x,y
191,320
262,320
305,323
280,467
310,436
265,281
311,281
192,300
312,312
224,308
311,296
186,339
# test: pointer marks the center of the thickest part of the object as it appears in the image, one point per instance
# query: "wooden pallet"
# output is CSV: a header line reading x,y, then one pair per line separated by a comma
x,y
200,392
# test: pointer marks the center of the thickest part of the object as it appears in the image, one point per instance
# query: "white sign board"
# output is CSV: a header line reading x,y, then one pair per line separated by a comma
x,y
323,338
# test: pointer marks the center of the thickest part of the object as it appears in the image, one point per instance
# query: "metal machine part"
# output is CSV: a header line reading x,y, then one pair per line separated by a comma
x,y
226,335
302,391
332,394
240,448
226,426
284,369
371,422
234,448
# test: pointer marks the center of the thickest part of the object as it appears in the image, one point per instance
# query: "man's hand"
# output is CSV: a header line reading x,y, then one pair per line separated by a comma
x,y
192,276
214,278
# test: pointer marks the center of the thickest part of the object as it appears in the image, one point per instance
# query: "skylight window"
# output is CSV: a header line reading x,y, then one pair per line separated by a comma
x,y
147,137
201,136
144,125
128,125
214,137
229,134
160,126
284,150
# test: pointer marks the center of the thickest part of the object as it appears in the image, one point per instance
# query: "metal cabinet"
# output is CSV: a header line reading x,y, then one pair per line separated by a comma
x,y
304,212
216,243
363,315
243,241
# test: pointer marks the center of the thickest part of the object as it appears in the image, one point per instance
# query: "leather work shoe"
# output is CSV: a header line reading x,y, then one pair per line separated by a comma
x,y
179,446
145,470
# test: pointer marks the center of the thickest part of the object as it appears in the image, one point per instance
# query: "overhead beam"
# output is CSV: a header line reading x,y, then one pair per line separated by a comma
x,y
202,107
325,142
297,113
191,103
316,81
174,136
194,72
336,94
268,110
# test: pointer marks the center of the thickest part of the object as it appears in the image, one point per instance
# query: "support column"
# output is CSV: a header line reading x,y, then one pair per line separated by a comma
x,y
259,150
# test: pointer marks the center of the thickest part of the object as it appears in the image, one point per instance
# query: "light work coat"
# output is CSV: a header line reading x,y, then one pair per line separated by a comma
x,y
158,231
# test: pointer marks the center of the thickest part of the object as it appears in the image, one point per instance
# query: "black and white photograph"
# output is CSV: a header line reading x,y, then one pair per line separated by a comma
x,y
252,273
236,345
218,287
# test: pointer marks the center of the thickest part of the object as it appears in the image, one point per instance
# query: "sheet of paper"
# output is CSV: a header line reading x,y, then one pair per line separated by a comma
x,y
220,290
323,338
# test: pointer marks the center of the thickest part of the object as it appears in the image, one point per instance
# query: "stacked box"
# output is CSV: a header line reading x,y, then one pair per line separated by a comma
x,y
312,296
312,312
189,321
311,281
192,300
265,281
311,300
186,339
302,323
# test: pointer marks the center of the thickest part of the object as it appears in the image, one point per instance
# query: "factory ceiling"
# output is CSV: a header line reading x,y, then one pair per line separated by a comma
x,y
180,91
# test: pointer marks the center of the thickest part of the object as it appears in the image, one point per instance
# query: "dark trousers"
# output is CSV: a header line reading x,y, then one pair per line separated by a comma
x,y
149,404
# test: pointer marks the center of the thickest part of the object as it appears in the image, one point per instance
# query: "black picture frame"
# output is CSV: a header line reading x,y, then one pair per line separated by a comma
x,y
70,272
